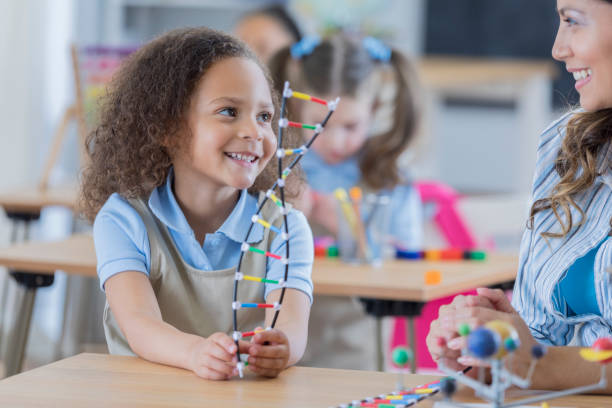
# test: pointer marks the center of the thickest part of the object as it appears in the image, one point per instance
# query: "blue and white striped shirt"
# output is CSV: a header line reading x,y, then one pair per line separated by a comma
x,y
543,262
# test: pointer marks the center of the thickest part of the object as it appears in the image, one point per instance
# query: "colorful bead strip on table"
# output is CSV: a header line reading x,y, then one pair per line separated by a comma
x,y
444,255
397,399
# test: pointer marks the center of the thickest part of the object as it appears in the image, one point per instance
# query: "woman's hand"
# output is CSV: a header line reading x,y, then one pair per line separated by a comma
x,y
268,352
502,310
442,330
214,358
487,305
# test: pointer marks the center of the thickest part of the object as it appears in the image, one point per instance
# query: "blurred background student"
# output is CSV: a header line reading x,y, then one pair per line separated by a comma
x,y
360,147
267,30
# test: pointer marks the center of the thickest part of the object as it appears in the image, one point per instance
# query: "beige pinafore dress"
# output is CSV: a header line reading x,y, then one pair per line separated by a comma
x,y
193,300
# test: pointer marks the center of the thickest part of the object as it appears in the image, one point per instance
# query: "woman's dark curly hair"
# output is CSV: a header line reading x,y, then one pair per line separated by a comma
x,y
142,116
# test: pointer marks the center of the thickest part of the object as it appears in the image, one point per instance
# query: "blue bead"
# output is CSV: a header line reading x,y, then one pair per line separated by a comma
x,y
401,254
483,343
538,351
448,386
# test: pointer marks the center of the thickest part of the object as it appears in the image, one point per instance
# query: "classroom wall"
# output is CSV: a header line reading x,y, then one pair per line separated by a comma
x,y
35,89
17,34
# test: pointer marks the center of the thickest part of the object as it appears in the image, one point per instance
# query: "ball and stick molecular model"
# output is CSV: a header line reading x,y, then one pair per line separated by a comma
x,y
401,358
283,173
496,341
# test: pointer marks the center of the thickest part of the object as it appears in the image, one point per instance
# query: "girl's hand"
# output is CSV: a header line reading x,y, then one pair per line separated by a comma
x,y
268,352
214,358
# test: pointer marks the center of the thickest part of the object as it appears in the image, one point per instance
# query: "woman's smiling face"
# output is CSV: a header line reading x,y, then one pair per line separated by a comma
x,y
584,44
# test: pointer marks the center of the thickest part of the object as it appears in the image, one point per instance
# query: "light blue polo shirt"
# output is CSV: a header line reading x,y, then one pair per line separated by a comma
x,y
406,208
122,243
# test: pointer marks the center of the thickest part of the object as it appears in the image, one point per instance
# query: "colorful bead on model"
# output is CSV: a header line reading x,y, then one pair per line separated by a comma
x,y
283,173
401,358
497,340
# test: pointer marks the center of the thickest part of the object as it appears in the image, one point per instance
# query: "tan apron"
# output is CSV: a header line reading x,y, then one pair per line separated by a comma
x,y
193,300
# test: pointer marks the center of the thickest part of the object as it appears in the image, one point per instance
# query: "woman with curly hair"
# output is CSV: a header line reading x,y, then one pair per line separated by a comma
x,y
182,150
562,294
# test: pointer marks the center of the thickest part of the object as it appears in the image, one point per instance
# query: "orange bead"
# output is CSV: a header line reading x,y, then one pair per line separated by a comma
x,y
433,277
432,255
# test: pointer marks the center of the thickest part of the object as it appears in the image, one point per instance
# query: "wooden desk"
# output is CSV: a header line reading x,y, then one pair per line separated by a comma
x,y
24,205
397,280
33,265
99,380
404,279
75,255
32,199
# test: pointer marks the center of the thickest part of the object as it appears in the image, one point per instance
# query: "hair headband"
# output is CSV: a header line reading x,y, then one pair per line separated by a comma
x,y
377,49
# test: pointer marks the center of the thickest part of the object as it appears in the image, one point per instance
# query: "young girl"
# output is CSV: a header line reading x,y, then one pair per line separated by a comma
x,y
562,291
183,148
371,128
369,131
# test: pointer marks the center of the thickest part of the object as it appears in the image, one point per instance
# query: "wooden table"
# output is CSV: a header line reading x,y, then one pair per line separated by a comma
x,y
99,380
32,199
405,279
75,255
33,265
22,206
395,281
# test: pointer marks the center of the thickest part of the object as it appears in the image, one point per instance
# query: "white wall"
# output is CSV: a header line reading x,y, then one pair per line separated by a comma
x,y
36,87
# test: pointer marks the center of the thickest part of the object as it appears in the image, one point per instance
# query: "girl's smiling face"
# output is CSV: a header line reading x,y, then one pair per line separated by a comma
x,y
584,43
230,125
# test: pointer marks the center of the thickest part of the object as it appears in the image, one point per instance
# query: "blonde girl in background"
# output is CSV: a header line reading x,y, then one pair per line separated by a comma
x,y
372,127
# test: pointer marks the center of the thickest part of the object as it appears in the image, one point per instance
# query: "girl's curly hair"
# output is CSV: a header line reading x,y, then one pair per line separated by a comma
x,y
142,116
577,164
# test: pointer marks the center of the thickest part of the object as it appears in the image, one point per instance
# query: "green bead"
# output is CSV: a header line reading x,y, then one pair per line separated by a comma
x,y
401,356
332,251
464,329
510,344
478,255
